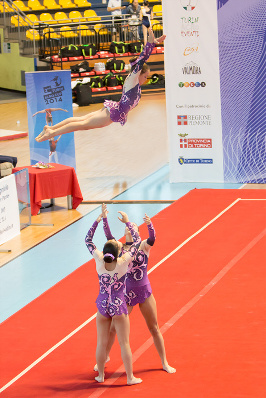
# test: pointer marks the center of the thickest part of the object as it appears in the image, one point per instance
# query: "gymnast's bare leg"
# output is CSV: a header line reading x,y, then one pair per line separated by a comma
x,y
98,119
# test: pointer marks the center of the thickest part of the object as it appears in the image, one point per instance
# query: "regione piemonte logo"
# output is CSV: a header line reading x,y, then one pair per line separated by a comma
x,y
189,5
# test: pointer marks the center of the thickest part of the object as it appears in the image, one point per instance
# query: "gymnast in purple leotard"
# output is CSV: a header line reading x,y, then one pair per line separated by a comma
x,y
138,288
111,302
112,111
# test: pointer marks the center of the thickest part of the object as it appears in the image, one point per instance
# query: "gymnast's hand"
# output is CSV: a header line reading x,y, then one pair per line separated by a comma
x,y
147,219
124,218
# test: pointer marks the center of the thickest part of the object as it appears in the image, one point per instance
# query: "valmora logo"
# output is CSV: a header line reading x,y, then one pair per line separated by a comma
x,y
195,143
189,5
191,84
191,69
182,160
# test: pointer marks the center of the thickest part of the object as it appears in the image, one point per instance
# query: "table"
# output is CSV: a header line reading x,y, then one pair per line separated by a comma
x,y
52,183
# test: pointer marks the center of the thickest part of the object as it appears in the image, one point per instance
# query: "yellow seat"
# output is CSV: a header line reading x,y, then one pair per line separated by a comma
x,y
76,16
49,32
82,3
85,31
101,29
51,4
66,31
91,15
47,18
32,34
156,25
35,5
157,10
15,20
67,4
6,7
61,17
21,5
33,18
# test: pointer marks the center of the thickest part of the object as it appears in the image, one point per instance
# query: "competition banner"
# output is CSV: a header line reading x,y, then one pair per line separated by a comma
x,y
193,91
9,211
49,101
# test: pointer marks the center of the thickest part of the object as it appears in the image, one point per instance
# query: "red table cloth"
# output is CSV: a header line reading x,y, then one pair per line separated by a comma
x,y
52,183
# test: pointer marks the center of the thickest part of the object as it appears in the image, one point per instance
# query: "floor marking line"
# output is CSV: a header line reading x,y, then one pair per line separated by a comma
x,y
47,353
180,313
94,316
195,234
252,199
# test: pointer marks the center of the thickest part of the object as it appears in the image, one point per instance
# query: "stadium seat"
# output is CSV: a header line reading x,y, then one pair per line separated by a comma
x,y
33,18
21,5
66,31
15,20
7,8
76,16
61,17
32,34
101,29
67,4
85,31
91,15
82,3
156,25
49,32
35,5
157,10
51,4
47,18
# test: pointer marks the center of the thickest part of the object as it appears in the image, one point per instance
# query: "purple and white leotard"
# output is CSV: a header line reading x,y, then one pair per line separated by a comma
x,y
138,286
111,299
131,90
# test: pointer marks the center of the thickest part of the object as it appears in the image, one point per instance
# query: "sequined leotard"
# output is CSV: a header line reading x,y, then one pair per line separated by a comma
x,y
131,90
111,298
138,286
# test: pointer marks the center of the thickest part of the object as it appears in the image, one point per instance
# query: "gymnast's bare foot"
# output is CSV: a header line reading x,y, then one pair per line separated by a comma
x,y
168,368
45,135
100,379
96,367
133,380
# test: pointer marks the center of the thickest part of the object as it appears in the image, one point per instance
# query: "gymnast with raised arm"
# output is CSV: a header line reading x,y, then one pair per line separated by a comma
x,y
138,288
111,304
112,111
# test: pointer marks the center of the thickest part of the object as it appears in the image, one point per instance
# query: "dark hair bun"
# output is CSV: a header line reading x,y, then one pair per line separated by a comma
x,y
107,258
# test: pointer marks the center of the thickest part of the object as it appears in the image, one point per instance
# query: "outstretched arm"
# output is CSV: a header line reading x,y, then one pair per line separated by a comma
x,y
151,230
106,227
38,112
131,253
58,109
133,77
88,239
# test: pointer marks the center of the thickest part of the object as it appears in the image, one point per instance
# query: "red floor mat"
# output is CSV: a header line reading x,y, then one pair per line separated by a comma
x,y
210,327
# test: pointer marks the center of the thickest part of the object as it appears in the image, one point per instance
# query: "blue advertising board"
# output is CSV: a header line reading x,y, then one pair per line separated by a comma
x,y
49,101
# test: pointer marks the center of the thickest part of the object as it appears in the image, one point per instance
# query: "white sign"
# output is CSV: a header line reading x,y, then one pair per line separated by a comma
x,y
9,211
193,91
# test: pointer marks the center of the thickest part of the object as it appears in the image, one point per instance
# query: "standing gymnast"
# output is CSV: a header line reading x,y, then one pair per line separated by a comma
x,y
111,302
146,14
112,111
138,288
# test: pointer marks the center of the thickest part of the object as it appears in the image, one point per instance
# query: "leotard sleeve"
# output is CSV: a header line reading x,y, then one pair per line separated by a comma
x,y
133,77
152,235
107,230
88,240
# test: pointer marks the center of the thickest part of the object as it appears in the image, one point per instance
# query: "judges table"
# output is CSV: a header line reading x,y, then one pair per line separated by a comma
x,y
52,183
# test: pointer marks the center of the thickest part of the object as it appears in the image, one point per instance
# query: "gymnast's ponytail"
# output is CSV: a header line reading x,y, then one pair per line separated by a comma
x,y
110,251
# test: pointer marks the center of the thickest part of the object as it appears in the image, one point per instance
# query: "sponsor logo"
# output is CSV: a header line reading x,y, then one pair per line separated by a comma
x,y
189,27
197,143
191,69
193,106
182,160
188,5
191,84
191,50
193,120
